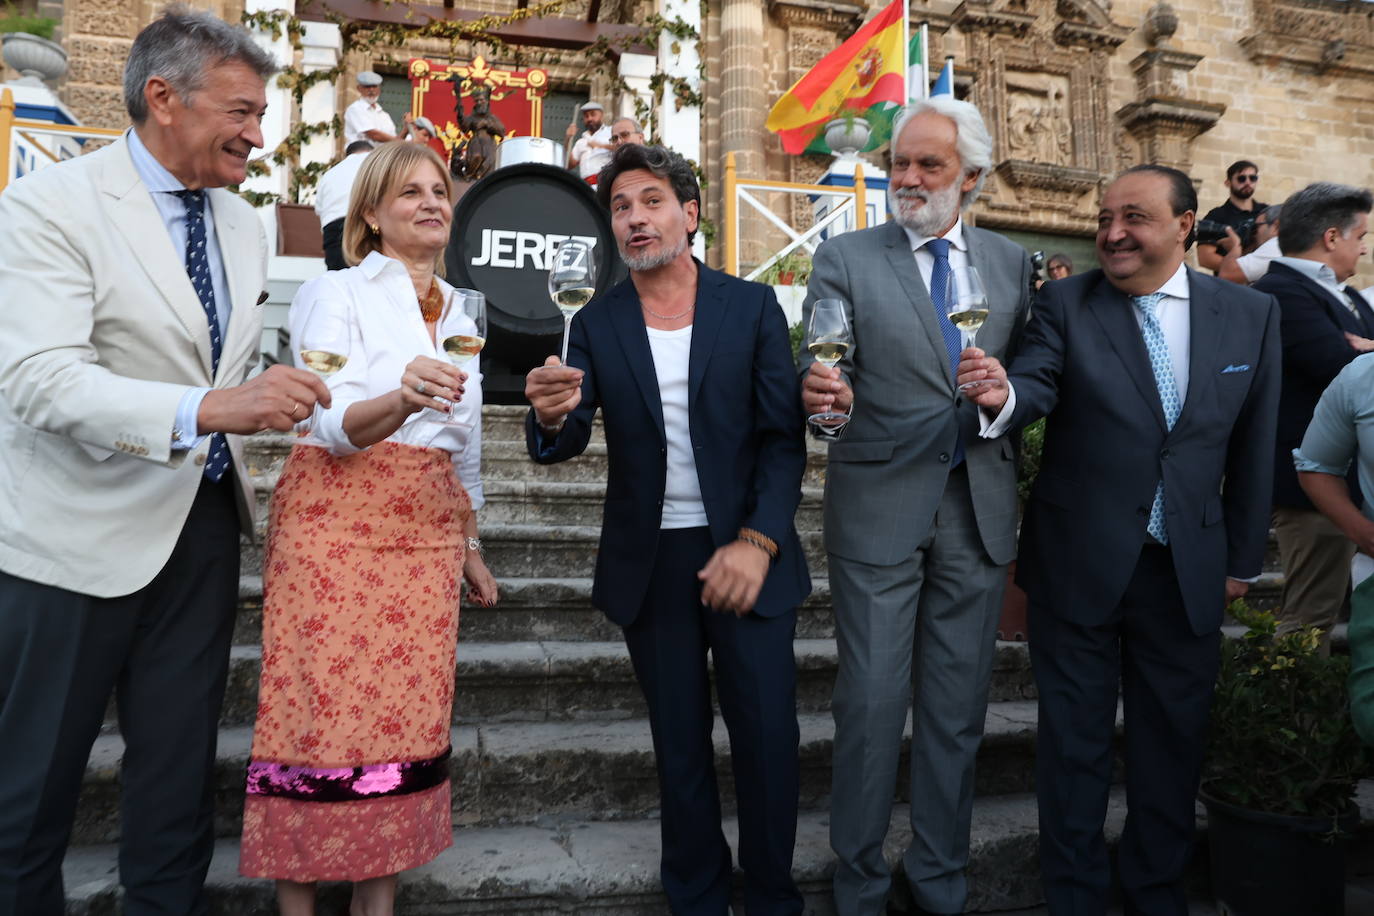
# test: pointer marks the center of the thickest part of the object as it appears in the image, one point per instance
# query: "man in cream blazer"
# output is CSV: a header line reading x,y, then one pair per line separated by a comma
x,y
129,323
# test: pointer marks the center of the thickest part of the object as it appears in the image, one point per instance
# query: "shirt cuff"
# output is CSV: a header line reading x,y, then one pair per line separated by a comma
x,y
186,433
1307,465
995,427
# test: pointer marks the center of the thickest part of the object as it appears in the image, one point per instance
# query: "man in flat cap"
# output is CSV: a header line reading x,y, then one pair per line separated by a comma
x,y
419,129
592,151
365,119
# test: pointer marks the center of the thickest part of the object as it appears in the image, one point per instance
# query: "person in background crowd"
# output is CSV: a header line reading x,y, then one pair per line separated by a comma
x,y
692,372
372,534
419,129
1249,267
1160,383
331,201
1325,325
590,153
1238,212
1059,266
131,283
920,513
626,130
366,119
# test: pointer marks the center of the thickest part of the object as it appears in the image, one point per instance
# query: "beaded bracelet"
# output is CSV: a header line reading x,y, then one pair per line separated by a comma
x,y
759,540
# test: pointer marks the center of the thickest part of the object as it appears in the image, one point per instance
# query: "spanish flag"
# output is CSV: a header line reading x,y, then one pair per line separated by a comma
x,y
866,75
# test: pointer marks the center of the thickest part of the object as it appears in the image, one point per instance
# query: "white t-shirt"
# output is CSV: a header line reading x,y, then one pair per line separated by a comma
x,y
377,300
363,116
682,505
592,159
332,193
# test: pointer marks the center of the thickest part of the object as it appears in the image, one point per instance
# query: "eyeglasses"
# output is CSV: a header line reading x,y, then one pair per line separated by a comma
x,y
1246,179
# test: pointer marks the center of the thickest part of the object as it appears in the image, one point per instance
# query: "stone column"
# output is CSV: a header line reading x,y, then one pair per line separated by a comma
x,y
743,109
97,35
321,46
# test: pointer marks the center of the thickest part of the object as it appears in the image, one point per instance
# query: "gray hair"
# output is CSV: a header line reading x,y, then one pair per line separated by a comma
x,y
634,125
180,46
972,140
1308,213
1271,213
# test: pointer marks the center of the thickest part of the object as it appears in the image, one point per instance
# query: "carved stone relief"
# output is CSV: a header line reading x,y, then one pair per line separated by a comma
x,y
1322,36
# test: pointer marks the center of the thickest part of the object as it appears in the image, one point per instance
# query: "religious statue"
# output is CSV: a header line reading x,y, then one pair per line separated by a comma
x,y
482,129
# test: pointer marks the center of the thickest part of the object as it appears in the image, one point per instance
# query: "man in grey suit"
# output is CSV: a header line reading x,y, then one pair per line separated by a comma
x,y
920,512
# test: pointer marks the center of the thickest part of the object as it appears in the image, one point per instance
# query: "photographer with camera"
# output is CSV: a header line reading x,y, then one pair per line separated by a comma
x,y
1249,267
1324,325
1238,212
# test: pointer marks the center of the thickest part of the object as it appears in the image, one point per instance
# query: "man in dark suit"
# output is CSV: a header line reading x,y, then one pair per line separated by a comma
x,y
1325,325
1159,384
693,374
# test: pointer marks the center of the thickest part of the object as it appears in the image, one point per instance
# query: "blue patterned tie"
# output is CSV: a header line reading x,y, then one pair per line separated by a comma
x,y
939,285
198,269
1158,349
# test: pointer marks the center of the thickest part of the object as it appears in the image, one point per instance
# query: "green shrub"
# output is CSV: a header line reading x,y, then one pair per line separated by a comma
x,y
12,20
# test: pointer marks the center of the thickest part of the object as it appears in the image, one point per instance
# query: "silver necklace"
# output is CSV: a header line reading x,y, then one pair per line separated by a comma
x,y
681,314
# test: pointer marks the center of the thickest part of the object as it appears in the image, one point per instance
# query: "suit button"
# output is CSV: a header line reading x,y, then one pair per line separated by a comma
x,y
200,461
1164,454
944,457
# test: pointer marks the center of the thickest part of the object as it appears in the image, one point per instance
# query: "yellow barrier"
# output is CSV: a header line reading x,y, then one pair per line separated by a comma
x,y
10,124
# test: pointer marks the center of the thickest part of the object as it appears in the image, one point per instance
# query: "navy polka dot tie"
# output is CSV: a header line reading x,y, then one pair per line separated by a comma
x,y
198,269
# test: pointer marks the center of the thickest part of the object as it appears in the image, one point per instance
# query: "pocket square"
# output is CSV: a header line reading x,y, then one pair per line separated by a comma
x,y
1245,367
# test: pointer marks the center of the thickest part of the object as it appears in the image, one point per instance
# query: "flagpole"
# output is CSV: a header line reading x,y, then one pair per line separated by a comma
x,y
925,60
906,52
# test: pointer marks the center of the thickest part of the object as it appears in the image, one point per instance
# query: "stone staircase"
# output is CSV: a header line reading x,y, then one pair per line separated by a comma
x,y
555,794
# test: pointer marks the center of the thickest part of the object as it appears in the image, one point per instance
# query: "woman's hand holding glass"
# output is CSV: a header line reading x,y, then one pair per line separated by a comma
x,y
431,383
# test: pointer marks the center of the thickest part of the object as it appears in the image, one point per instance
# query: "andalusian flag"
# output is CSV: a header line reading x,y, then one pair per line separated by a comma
x,y
866,75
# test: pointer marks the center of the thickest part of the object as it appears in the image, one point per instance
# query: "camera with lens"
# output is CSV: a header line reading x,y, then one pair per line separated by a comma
x,y
1211,232
1038,272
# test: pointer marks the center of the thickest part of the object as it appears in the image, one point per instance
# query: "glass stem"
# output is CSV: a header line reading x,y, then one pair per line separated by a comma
x,y
567,327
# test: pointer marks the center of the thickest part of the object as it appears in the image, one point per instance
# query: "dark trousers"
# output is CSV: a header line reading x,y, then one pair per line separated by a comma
x,y
332,235
1166,676
163,651
756,684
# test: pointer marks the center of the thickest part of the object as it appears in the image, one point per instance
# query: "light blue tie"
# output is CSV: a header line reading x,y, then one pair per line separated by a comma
x,y
1158,349
198,269
939,287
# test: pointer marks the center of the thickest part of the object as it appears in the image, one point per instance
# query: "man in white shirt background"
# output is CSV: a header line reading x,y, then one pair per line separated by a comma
x,y
331,201
592,151
1247,268
365,119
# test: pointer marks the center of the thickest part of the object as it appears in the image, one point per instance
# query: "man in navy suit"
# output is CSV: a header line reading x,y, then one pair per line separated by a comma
x,y
1325,325
693,373
1159,384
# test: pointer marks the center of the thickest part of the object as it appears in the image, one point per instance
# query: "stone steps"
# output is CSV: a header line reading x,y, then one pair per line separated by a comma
x,y
562,866
586,681
520,772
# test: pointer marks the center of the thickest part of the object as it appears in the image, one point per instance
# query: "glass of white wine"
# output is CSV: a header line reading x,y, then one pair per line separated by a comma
x,y
572,282
463,330
322,347
829,339
966,304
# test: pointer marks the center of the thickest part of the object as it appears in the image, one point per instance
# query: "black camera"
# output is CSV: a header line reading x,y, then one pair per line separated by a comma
x,y
1211,232
1038,273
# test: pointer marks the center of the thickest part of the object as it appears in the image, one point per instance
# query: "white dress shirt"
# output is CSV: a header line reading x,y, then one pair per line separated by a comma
x,y
682,505
1322,275
335,187
1256,264
925,261
592,159
1174,316
364,115
378,301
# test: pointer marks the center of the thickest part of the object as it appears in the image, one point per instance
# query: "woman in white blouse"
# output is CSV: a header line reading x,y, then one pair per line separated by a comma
x,y
373,530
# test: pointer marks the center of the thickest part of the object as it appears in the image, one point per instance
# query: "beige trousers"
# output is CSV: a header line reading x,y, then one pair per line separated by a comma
x,y
1316,571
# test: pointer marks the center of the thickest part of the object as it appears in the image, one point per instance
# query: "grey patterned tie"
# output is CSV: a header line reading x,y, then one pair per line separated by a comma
x,y
198,269
1158,349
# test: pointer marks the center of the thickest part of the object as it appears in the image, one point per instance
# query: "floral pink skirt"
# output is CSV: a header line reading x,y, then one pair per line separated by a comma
x,y
349,772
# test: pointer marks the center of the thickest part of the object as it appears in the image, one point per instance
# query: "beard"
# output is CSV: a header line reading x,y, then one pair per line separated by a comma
x,y
650,260
1245,191
938,210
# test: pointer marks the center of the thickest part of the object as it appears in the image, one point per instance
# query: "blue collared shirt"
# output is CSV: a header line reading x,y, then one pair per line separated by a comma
x,y
162,185
1319,273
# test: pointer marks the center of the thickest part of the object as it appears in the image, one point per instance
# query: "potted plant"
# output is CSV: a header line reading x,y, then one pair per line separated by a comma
x,y
28,46
847,133
792,269
1283,760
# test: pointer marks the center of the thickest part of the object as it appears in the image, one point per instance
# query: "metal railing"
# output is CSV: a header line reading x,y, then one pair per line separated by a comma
x,y
19,136
851,206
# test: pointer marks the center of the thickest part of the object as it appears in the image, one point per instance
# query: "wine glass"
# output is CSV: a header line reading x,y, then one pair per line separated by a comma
x,y
463,330
966,304
829,339
572,282
322,347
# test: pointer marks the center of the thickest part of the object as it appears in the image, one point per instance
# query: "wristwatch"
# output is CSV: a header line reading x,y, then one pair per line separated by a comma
x,y
475,544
